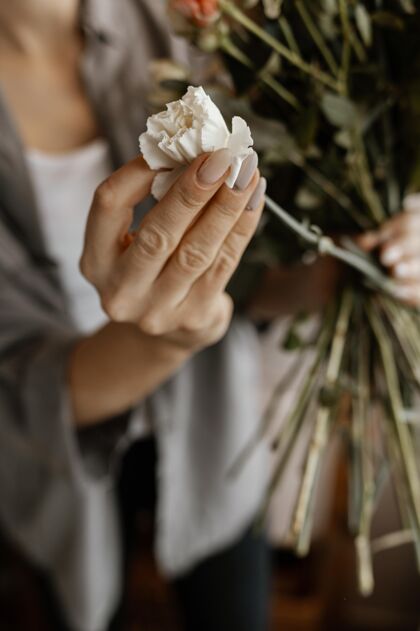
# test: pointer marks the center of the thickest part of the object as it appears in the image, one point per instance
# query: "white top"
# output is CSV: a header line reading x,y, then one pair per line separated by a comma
x,y
64,184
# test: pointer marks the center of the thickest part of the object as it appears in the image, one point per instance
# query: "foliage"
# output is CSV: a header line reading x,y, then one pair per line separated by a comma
x,y
331,91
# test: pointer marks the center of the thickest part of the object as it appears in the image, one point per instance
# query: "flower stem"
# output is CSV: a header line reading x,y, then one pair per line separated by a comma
x,y
314,236
402,494
288,35
363,494
285,440
365,180
234,12
330,189
300,528
228,47
402,431
316,36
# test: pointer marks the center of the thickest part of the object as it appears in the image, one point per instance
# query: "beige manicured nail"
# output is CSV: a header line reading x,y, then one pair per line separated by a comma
x,y
403,292
215,166
412,202
257,196
391,255
247,171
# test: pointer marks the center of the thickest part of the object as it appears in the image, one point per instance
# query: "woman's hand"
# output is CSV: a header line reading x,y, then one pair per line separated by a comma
x,y
169,278
398,241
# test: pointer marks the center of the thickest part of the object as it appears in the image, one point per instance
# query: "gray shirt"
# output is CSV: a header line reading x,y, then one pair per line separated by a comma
x,y
57,488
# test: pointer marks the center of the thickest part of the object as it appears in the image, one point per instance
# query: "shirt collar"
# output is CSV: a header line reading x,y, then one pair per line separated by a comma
x,y
102,20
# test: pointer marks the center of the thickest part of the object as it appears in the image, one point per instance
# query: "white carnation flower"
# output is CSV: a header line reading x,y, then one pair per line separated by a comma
x,y
189,127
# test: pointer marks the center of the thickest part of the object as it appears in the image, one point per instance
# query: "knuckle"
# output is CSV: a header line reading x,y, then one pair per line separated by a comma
x,y
115,307
226,208
86,268
193,325
227,262
152,241
151,324
243,231
105,195
187,196
211,326
221,319
192,258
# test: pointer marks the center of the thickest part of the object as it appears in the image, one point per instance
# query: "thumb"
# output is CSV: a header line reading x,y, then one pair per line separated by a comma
x,y
368,241
111,212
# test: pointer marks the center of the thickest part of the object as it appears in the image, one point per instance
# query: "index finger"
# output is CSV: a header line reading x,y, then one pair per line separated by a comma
x,y
163,227
111,212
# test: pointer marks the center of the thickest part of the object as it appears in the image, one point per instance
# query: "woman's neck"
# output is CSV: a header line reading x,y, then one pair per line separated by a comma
x,y
29,27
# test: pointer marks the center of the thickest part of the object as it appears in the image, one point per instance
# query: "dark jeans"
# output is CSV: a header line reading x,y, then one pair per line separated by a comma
x,y
228,591
225,592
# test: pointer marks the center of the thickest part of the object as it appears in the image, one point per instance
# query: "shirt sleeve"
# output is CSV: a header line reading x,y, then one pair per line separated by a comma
x,y
63,516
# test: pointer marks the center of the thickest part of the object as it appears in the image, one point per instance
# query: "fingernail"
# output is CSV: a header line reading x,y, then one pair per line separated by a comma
x,y
247,171
215,166
402,292
257,196
368,240
403,270
412,202
391,256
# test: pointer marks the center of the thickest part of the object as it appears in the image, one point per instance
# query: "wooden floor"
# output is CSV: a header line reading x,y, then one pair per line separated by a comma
x,y
308,595
314,594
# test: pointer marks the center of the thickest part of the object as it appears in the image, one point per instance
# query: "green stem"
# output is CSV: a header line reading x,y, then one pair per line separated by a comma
x,y
288,35
300,530
364,179
233,51
402,431
330,189
406,333
234,12
346,53
325,245
364,464
316,36
285,440
402,494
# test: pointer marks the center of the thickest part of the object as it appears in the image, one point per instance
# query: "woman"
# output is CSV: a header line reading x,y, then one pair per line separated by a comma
x,y
80,383
75,378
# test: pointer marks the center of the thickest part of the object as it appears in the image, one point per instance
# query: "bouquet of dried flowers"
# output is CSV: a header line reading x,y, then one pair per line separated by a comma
x,y
331,91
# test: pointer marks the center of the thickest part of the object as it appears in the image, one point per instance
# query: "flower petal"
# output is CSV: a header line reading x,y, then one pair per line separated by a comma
x,y
164,180
185,146
235,167
154,156
214,136
240,139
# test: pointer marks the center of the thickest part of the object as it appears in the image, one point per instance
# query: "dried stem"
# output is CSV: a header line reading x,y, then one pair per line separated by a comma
x,y
406,333
234,12
402,431
316,36
346,53
299,528
288,35
227,46
364,178
363,463
325,245
330,189
405,506
284,441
